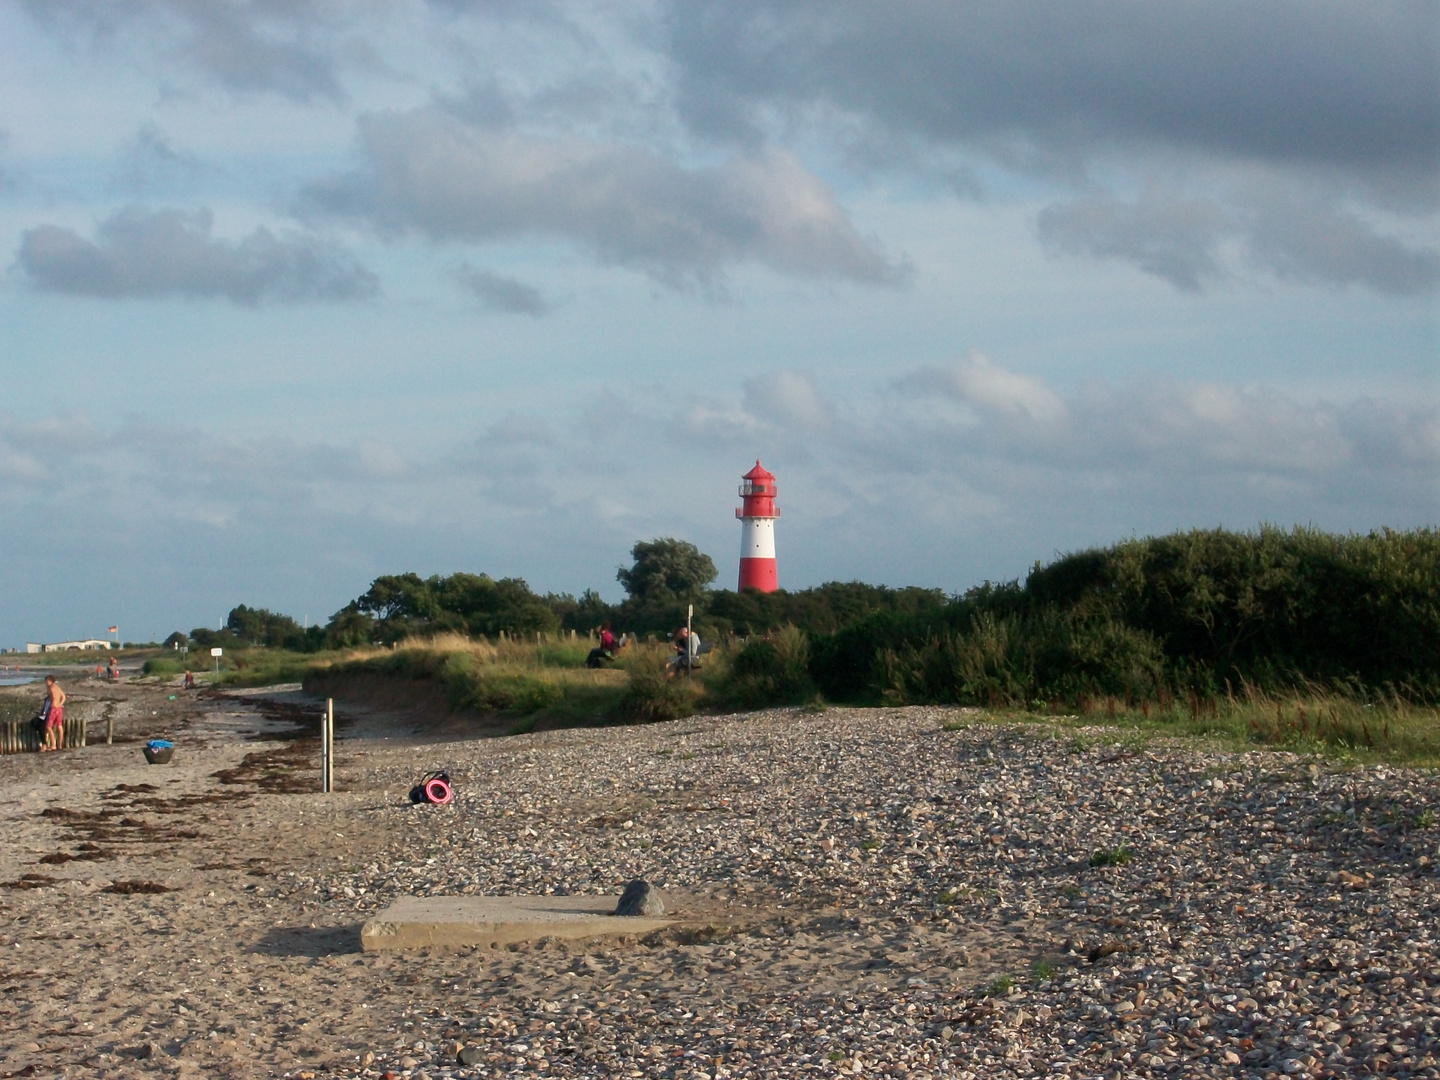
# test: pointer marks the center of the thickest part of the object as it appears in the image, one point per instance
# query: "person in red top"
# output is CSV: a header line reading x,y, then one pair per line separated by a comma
x,y
606,650
54,716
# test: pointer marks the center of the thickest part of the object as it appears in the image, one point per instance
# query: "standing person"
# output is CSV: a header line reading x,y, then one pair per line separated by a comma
x,y
54,715
189,679
114,669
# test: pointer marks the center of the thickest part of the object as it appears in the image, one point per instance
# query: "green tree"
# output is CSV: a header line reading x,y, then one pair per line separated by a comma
x,y
666,572
259,626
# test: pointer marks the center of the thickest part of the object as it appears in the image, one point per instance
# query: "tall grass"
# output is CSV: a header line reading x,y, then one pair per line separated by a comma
x,y
1311,720
768,671
528,683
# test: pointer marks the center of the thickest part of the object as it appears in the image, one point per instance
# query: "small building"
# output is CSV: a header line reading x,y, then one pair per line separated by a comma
x,y
96,644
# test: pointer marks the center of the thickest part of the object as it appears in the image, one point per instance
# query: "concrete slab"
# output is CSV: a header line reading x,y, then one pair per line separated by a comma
x,y
413,922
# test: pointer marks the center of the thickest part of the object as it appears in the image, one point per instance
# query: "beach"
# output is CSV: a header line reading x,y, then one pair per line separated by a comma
x,y
905,892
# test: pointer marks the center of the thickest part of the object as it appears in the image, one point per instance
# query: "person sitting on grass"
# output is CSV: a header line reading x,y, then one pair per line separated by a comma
x,y
54,715
605,652
687,648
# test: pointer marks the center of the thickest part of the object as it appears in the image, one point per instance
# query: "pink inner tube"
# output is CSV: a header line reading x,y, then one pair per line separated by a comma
x,y
437,791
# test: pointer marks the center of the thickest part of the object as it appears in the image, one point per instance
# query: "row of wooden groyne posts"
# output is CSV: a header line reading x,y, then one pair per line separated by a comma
x,y
25,737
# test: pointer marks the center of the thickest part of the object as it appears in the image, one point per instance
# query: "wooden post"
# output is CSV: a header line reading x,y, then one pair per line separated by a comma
x,y
109,727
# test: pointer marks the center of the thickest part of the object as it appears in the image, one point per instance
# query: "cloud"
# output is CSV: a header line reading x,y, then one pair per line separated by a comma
x,y
1173,239
788,399
1330,83
501,293
150,161
1315,242
1310,240
968,471
977,381
1276,113
427,172
284,47
153,254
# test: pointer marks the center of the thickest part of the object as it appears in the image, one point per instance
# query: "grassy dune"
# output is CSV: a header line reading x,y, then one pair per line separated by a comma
x,y
546,685
531,684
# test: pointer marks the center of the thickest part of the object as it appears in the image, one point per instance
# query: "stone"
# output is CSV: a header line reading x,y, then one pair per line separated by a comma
x,y
471,1055
640,899
414,922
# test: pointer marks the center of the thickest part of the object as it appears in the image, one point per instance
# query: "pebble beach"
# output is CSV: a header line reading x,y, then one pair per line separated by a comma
x,y
857,892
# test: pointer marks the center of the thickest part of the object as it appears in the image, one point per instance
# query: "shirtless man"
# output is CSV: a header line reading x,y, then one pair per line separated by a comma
x,y
54,716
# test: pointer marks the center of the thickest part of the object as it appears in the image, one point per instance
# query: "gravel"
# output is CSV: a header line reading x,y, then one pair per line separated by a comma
x,y
873,894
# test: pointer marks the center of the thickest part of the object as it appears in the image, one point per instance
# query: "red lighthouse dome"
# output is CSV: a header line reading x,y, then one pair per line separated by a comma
x,y
757,514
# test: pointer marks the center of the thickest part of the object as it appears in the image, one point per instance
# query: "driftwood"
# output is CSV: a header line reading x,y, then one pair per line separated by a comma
x,y
23,737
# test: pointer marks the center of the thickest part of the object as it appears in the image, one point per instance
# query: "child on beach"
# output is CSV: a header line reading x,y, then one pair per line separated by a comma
x,y
54,715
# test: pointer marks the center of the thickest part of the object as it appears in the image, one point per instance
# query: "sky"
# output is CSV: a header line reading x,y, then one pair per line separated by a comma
x,y
294,293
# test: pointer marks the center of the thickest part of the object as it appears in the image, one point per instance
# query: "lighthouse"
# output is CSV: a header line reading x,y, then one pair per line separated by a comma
x,y
757,533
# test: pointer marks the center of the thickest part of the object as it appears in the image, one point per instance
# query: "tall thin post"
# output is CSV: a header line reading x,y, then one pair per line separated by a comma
x,y
327,745
689,656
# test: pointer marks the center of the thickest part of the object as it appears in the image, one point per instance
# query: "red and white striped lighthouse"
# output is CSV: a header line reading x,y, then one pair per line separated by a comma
x,y
757,534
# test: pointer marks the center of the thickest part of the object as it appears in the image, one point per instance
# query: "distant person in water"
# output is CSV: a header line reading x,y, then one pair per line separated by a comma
x,y
54,715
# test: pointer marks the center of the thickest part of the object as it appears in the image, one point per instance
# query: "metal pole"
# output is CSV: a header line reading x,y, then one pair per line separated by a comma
x,y
689,615
327,747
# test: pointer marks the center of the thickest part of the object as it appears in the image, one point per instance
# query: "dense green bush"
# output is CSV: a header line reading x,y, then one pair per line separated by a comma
x,y
1204,612
770,671
163,666
1016,659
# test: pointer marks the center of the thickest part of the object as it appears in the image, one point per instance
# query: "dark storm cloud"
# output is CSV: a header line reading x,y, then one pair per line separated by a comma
x,y
428,172
142,253
502,293
285,47
1340,84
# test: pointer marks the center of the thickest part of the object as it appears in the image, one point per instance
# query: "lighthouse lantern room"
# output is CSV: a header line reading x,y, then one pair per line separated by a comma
x,y
757,535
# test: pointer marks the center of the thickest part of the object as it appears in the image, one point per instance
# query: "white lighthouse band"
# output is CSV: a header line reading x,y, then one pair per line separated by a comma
x,y
757,538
